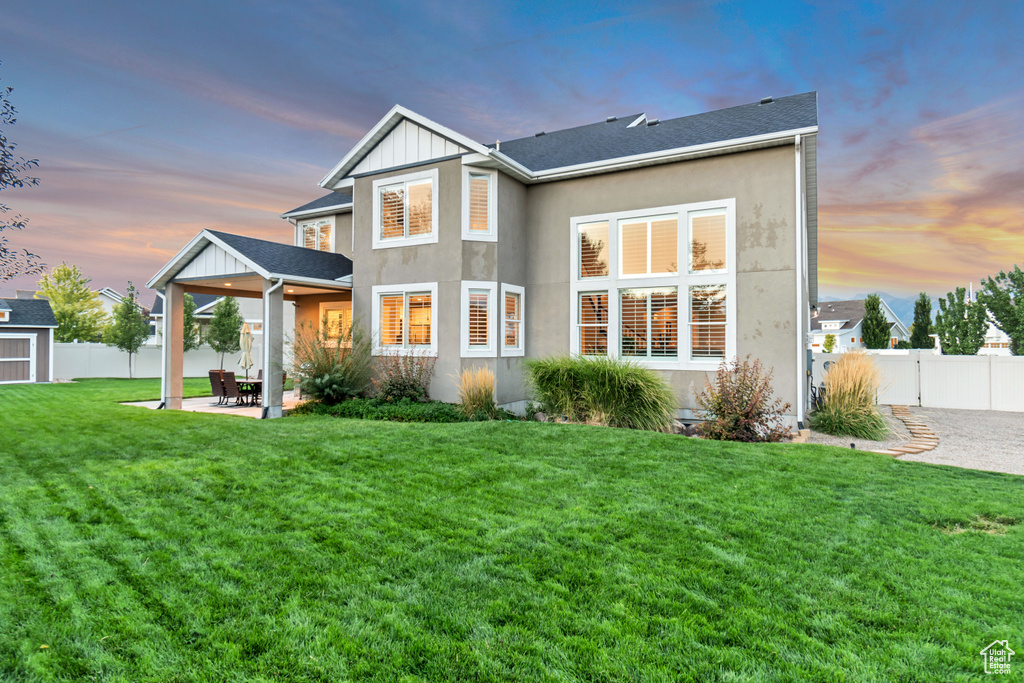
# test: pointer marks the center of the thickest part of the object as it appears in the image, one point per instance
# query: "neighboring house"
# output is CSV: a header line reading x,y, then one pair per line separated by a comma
x,y
997,342
109,298
26,340
844,319
677,244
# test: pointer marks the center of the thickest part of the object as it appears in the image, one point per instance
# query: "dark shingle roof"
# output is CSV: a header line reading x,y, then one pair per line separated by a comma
x,y
200,299
29,313
605,141
285,259
852,311
327,201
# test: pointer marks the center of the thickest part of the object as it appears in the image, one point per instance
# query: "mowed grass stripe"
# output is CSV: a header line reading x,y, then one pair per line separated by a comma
x,y
323,549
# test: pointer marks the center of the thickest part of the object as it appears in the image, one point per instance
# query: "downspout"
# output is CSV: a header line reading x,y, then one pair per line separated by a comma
x,y
266,343
801,361
163,354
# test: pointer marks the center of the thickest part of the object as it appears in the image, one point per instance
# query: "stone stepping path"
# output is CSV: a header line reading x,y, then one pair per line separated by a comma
x,y
922,437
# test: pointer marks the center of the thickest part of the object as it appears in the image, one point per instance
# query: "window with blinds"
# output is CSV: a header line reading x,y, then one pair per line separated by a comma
x,y
649,322
513,319
707,322
649,246
593,245
406,209
316,234
707,241
592,326
479,328
405,320
479,201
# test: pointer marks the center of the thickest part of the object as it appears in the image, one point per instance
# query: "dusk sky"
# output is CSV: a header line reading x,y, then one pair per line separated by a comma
x,y
152,121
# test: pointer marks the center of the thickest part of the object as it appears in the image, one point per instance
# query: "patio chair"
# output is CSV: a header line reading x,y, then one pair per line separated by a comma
x,y
217,386
231,390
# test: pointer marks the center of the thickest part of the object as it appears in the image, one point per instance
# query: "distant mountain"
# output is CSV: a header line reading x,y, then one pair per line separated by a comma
x,y
903,307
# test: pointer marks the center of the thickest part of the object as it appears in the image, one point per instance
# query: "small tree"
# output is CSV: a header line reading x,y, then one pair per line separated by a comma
x,y
225,328
130,328
830,343
739,405
13,171
875,327
960,325
78,310
1003,296
921,330
190,326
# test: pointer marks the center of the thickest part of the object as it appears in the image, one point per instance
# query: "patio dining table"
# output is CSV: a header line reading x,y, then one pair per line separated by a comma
x,y
253,387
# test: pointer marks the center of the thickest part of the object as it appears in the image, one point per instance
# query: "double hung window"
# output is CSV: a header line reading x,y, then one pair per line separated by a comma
x,y
479,188
405,210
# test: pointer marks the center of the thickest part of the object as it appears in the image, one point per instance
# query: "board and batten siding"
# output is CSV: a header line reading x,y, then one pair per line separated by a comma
x,y
212,261
406,144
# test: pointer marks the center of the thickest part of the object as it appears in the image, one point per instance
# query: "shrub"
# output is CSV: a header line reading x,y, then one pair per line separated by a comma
x,y
739,405
401,410
476,392
830,343
329,369
851,385
401,376
603,391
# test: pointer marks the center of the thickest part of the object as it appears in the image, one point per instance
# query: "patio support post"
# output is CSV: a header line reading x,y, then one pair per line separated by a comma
x,y
273,347
174,345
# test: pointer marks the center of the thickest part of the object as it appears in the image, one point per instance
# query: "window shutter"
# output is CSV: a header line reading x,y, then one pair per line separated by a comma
x,y
513,318
392,212
707,316
391,306
419,319
634,248
664,246
478,323
593,323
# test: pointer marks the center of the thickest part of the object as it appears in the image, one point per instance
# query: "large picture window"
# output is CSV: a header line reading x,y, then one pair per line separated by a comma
x,y
405,210
656,285
403,317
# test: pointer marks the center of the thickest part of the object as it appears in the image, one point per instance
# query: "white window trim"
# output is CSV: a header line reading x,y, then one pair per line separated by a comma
x,y
404,289
492,205
683,280
300,225
31,356
491,351
252,324
520,350
378,242
4,316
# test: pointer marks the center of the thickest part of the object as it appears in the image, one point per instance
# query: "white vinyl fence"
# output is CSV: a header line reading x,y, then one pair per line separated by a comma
x,y
918,378
99,360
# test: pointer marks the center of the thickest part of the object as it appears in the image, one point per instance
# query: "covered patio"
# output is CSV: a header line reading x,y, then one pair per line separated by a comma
x,y
222,264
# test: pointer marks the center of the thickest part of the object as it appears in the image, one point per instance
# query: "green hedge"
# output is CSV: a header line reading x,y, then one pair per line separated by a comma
x,y
403,410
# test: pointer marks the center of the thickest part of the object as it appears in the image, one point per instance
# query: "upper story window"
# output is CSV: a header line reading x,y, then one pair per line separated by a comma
x,y
405,210
317,234
707,241
479,187
648,246
592,241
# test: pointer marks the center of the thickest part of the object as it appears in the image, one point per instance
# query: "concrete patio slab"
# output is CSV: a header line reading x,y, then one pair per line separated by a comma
x,y
207,404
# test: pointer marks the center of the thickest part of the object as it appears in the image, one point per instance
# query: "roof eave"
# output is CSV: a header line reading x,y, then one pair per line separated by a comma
x,y
325,211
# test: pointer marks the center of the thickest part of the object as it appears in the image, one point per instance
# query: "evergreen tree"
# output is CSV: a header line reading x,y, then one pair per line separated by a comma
x,y
225,328
960,325
1003,296
130,328
78,310
830,343
875,328
191,337
921,330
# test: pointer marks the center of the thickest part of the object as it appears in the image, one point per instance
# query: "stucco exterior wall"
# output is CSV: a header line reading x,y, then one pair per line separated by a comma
x,y
763,183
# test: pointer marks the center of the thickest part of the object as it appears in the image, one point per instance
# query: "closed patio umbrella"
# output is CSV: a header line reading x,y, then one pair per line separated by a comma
x,y
245,341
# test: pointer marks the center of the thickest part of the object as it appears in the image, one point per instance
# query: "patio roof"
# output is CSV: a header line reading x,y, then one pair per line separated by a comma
x,y
223,263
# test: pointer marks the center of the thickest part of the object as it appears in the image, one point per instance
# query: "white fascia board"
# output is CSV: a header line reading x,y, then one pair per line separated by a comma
x,y
312,281
191,250
187,250
312,213
383,127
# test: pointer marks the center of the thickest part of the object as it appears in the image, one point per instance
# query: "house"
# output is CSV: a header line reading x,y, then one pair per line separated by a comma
x,y
677,244
26,340
250,310
109,298
843,319
997,342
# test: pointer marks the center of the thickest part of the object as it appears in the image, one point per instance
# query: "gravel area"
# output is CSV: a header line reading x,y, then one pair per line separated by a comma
x,y
898,436
988,440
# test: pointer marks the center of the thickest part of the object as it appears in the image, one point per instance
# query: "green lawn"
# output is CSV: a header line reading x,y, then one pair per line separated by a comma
x,y
143,545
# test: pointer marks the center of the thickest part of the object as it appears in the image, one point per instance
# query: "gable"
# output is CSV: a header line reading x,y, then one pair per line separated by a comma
x,y
213,261
407,143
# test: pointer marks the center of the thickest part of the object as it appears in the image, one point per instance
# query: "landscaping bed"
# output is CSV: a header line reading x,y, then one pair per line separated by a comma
x,y
141,545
